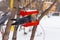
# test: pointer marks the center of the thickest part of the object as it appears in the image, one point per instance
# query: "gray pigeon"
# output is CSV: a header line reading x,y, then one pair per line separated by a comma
x,y
4,17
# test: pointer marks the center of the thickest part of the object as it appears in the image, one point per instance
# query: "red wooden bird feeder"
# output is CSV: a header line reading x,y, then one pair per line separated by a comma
x,y
29,12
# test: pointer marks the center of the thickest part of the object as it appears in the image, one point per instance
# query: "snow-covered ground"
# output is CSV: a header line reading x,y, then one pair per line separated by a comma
x,y
48,29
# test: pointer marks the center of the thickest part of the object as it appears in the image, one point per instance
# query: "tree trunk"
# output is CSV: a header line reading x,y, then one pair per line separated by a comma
x,y
17,4
42,15
33,32
15,33
35,27
7,30
18,16
58,6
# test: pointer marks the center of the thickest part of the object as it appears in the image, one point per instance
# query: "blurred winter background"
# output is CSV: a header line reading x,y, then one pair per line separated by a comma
x,y
48,28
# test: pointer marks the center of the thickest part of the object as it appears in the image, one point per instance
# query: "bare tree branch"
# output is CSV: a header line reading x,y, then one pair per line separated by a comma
x,y
42,15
